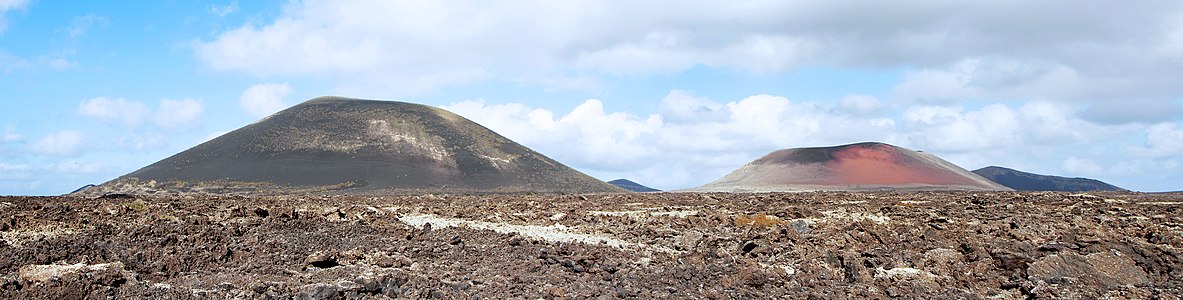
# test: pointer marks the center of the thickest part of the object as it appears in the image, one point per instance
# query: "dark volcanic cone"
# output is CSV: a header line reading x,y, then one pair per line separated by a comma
x,y
348,146
1024,181
863,166
632,186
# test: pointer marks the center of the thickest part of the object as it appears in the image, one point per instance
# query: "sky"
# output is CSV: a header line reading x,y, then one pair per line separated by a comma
x,y
671,94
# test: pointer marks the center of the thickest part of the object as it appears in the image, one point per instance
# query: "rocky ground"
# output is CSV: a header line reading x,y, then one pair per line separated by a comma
x,y
1003,245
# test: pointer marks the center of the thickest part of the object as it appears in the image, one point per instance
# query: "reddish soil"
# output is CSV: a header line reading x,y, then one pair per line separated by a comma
x,y
1004,245
885,165
855,167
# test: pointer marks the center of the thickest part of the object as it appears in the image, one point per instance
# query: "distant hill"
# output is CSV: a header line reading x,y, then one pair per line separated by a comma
x,y
1024,181
83,188
854,167
348,146
632,186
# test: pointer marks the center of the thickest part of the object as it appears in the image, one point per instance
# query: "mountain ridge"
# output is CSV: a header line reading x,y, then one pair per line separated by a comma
x,y
632,186
852,167
1026,181
352,146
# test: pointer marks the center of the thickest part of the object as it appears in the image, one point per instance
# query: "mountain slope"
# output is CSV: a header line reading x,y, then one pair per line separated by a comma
x,y
350,146
632,186
1024,181
854,167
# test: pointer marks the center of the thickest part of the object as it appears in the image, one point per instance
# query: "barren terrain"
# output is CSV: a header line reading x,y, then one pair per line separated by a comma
x,y
1002,245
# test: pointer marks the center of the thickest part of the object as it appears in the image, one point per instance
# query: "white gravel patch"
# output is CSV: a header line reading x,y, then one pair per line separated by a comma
x,y
902,272
551,233
645,213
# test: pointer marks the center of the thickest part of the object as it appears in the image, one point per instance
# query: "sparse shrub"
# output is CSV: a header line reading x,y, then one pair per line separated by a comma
x,y
138,205
758,220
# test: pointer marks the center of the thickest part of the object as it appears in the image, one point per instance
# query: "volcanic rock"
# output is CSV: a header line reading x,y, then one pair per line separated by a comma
x,y
1107,269
1024,181
854,167
348,146
632,186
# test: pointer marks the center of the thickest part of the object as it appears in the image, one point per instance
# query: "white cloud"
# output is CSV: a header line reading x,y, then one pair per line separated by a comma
x,y
81,25
13,171
693,140
170,114
682,107
130,113
9,5
76,167
946,129
224,10
178,113
56,60
264,99
10,135
587,135
1015,49
998,126
991,78
61,143
862,105
1162,140
8,62
1082,166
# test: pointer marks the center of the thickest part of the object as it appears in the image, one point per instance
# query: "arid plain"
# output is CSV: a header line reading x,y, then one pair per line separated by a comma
x,y
999,245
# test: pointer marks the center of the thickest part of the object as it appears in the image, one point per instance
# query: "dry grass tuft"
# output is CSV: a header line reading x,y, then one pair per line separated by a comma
x,y
137,205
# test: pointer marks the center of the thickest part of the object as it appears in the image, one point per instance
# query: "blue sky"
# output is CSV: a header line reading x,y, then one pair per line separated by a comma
x,y
669,94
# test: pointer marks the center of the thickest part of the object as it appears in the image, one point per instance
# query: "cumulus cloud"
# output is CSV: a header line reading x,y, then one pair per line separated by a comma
x,y
951,130
79,167
10,135
1031,50
693,139
9,5
992,78
264,99
13,171
1132,111
997,126
130,113
178,113
862,105
61,143
81,25
1082,166
224,10
170,114
681,107
1162,140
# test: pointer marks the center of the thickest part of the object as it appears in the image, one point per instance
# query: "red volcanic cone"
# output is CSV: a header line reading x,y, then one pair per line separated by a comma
x,y
862,166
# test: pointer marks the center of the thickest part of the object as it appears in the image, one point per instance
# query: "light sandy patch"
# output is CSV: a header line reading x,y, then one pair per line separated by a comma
x,y
45,273
551,233
20,237
644,213
903,272
856,216
788,270
913,202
